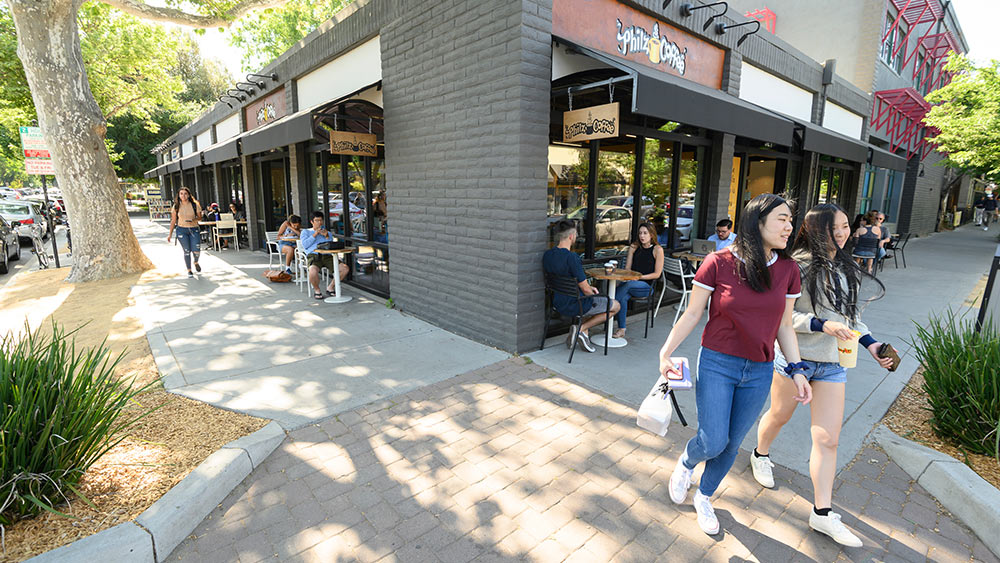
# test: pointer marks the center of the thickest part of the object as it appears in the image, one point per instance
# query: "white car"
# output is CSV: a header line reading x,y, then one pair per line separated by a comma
x,y
614,223
685,218
28,214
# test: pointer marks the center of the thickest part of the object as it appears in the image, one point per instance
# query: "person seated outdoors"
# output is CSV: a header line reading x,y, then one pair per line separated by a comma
x,y
724,235
561,261
867,239
237,214
886,237
645,257
310,238
290,228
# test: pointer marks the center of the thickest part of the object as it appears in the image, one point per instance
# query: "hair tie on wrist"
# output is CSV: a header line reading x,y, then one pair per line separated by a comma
x,y
793,367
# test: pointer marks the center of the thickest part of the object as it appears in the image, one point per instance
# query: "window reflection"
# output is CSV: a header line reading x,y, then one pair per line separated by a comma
x,y
657,174
615,171
569,170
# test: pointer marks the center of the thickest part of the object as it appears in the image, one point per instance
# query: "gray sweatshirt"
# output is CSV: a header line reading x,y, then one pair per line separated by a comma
x,y
818,346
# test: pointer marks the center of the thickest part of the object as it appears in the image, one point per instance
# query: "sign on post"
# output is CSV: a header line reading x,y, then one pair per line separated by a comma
x,y
595,122
37,158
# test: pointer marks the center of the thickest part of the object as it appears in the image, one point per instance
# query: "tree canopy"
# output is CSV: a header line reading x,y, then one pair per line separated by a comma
x,y
968,117
265,34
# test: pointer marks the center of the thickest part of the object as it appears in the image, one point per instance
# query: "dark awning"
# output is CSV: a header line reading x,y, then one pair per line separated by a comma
x,y
289,130
666,96
221,151
882,158
191,162
824,141
174,166
151,173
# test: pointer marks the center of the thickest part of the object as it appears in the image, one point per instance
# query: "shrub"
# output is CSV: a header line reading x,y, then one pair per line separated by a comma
x,y
962,381
60,410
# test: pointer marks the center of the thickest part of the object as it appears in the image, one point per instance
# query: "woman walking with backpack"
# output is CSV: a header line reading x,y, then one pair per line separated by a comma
x,y
753,286
824,315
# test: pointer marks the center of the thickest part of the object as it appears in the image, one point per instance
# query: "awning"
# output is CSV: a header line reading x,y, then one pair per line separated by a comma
x,y
221,151
666,96
824,141
882,158
151,173
174,166
286,131
191,162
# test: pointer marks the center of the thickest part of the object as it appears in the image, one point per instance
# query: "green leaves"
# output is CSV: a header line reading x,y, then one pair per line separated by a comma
x,y
265,34
59,412
962,381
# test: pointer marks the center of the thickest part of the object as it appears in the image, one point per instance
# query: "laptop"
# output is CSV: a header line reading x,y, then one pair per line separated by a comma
x,y
702,247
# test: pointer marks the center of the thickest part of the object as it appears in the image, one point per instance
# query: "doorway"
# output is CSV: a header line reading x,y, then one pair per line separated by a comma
x,y
274,193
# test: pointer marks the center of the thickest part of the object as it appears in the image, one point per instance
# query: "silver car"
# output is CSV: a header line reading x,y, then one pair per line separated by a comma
x,y
28,214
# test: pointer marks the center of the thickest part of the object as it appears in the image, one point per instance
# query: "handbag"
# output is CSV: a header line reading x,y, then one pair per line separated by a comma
x,y
278,276
656,411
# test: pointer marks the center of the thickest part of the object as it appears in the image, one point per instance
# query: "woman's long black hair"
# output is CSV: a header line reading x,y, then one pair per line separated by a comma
x,y
194,202
750,244
812,245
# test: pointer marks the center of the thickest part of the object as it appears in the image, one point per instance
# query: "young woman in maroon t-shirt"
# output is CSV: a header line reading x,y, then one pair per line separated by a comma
x,y
750,288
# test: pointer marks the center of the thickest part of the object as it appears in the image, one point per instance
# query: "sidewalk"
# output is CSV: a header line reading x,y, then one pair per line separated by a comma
x,y
512,462
941,271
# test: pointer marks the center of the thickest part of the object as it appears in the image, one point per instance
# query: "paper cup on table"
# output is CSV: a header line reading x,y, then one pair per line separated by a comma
x,y
849,350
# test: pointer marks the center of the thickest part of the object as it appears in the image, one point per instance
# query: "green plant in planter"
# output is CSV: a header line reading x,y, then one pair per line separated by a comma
x,y
60,410
962,381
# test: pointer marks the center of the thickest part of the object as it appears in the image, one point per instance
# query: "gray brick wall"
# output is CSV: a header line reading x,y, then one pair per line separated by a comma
x,y
921,197
466,117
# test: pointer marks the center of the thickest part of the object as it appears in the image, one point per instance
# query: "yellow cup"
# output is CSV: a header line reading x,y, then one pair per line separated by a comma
x,y
849,350
654,50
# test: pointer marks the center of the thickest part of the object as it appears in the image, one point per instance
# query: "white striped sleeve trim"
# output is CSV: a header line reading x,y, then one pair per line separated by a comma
x,y
703,286
793,295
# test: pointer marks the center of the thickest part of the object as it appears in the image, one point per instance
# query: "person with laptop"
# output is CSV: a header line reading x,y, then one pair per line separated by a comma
x,y
724,235
310,240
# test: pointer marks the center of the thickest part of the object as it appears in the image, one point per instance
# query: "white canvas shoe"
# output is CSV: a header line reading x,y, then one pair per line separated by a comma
x,y
680,482
706,514
833,527
762,470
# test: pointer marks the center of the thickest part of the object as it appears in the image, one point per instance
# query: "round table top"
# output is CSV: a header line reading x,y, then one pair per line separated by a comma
x,y
337,251
238,222
288,239
619,274
687,255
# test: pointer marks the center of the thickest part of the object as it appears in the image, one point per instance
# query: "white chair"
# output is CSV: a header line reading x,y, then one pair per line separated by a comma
x,y
301,270
226,217
225,229
273,249
676,267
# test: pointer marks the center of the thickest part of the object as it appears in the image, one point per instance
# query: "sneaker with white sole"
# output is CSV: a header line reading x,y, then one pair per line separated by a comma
x,y
706,514
833,527
571,336
680,482
762,470
585,342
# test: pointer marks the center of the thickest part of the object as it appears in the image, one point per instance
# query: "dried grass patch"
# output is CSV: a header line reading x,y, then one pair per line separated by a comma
x,y
909,417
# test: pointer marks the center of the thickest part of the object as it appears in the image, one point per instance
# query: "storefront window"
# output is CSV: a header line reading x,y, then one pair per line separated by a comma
x,y
615,172
890,203
657,175
335,194
569,169
356,195
868,190
692,163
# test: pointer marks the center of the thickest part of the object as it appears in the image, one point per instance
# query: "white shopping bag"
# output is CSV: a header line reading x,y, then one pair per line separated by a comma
x,y
658,406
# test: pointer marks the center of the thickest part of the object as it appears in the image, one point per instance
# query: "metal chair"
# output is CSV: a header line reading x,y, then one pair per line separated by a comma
x,y
225,229
897,247
648,300
677,269
301,270
568,286
273,248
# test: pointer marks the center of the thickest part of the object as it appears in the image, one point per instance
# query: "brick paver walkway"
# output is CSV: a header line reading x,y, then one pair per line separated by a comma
x,y
512,462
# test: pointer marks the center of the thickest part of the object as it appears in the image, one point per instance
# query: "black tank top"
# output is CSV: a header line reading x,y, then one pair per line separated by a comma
x,y
643,260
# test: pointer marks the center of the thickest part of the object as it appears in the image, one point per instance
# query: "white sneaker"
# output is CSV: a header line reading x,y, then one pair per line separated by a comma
x,y
833,527
571,336
585,342
762,470
680,482
706,514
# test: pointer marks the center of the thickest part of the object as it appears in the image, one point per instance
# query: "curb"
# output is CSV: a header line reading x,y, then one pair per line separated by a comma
x,y
164,525
957,487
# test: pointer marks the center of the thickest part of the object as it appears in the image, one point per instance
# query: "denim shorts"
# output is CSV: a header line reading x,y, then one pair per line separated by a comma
x,y
816,371
599,307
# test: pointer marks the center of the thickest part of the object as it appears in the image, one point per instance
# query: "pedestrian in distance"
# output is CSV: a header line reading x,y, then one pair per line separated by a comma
x,y
645,257
980,209
825,314
989,211
753,285
184,217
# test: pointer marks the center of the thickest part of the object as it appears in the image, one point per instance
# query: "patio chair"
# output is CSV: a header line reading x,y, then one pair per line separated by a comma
x,y
301,270
896,246
568,286
273,249
677,269
225,229
648,300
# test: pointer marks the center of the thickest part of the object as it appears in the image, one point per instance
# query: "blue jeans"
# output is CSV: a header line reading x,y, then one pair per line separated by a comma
x,y
730,393
625,290
190,240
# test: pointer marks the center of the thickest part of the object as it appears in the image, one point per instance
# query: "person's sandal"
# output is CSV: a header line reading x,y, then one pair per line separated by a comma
x,y
620,333
317,295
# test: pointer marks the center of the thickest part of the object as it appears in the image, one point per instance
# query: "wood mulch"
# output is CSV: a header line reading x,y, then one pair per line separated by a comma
x,y
909,417
156,453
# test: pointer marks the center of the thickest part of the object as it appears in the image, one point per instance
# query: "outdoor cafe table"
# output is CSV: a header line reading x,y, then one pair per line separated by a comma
x,y
337,297
612,280
210,224
695,259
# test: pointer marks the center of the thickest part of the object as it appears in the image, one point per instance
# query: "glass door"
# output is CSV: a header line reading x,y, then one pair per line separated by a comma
x,y
275,193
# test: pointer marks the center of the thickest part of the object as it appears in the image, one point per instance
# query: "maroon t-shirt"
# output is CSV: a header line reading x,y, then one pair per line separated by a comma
x,y
742,322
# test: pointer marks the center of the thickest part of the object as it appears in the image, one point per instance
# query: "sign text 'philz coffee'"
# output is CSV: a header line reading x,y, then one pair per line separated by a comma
x,y
353,144
596,122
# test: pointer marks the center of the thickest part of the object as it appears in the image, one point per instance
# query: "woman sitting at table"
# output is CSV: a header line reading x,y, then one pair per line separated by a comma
x,y
646,257
290,228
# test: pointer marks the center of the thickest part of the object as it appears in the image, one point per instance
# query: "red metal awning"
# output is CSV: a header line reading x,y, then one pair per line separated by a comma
x,y
937,47
764,16
899,114
913,13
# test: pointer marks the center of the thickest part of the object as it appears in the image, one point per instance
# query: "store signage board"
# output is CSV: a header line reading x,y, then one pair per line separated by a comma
x,y
37,158
175,153
624,32
596,122
353,144
266,110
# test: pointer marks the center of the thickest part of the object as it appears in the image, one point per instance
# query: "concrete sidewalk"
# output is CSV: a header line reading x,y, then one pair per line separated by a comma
x,y
236,341
941,271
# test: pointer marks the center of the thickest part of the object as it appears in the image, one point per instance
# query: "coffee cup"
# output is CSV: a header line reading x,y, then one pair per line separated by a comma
x,y
848,350
609,268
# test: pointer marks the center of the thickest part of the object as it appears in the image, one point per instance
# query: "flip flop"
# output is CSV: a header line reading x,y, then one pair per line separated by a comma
x,y
317,295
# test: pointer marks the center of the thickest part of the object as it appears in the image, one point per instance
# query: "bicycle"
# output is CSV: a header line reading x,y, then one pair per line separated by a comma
x,y
38,247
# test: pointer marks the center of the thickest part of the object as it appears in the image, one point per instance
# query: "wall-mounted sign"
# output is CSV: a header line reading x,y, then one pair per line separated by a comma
x,y
596,122
353,144
266,110
37,159
622,31
175,153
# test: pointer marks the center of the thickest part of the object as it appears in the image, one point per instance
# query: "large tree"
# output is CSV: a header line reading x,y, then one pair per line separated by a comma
x,y
264,35
49,47
968,117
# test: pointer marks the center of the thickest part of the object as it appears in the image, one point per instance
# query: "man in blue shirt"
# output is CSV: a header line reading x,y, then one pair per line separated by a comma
x,y
560,260
724,235
310,239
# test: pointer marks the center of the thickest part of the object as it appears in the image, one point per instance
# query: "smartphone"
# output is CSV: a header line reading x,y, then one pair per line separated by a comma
x,y
887,351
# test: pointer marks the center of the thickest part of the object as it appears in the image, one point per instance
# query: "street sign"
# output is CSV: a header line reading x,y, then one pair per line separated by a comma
x,y
37,158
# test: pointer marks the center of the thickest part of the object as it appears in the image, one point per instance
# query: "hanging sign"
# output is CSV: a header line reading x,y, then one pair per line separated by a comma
x,y
37,159
595,122
353,144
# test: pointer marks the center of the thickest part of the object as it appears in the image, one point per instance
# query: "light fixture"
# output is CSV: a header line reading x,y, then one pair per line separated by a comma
x,y
688,8
239,95
272,76
666,3
921,173
248,90
720,29
224,101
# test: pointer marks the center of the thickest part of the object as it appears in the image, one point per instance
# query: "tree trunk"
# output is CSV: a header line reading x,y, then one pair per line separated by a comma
x,y
48,44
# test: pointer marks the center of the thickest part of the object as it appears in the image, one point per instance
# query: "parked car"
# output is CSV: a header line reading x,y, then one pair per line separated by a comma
x,y
29,216
10,193
626,202
614,223
685,218
9,244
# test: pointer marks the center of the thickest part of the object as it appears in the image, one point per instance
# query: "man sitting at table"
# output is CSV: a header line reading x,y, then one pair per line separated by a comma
x,y
561,261
724,235
310,238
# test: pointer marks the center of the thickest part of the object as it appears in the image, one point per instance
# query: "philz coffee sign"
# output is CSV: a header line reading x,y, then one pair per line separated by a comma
x,y
353,144
597,122
659,49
